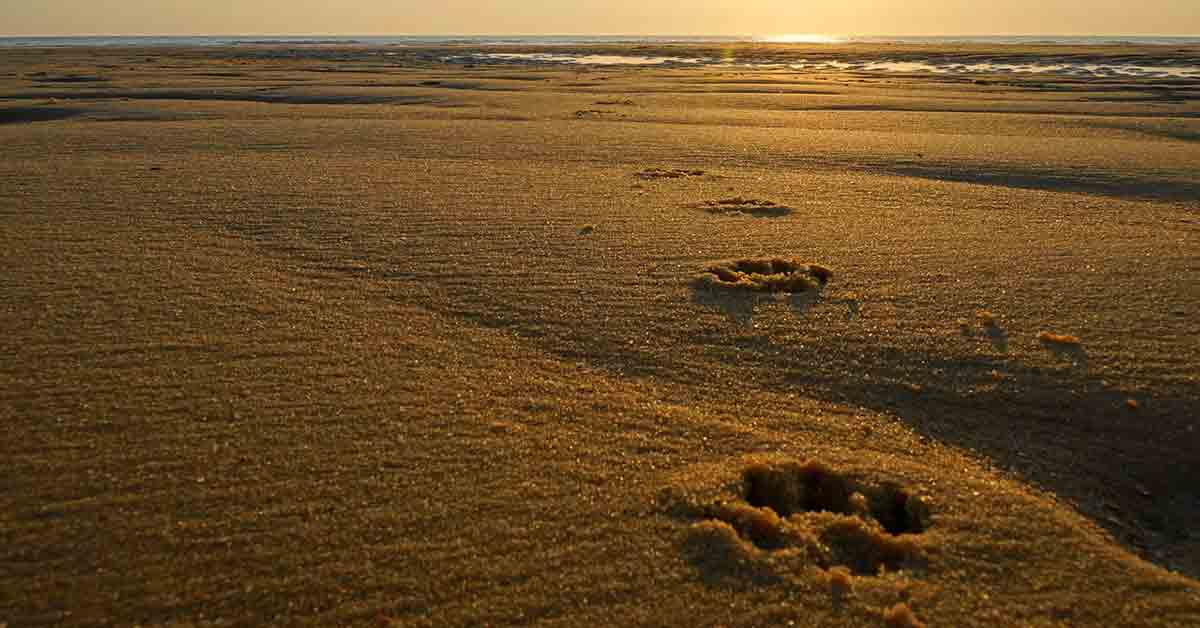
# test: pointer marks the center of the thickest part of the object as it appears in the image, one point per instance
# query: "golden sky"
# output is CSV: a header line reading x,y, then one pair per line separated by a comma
x,y
534,17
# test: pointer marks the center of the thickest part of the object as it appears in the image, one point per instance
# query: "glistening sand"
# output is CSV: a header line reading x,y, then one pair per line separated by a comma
x,y
326,336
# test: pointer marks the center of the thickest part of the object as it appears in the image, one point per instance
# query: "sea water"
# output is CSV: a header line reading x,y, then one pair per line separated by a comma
x,y
1186,68
395,40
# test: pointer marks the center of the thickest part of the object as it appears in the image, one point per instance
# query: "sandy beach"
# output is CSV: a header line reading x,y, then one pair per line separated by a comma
x,y
427,336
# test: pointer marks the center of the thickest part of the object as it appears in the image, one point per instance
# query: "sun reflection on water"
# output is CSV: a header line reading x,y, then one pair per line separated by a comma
x,y
803,38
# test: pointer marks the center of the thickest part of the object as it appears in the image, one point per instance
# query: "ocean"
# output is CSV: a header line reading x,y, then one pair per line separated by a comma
x,y
1172,66
230,40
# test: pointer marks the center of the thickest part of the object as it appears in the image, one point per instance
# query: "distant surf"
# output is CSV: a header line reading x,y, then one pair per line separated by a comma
x,y
930,65
411,40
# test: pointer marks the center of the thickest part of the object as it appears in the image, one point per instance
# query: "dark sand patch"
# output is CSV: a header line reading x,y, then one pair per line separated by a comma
x,y
70,78
528,78
989,324
749,206
222,74
463,85
1181,129
260,96
1133,186
18,115
1162,95
1001,110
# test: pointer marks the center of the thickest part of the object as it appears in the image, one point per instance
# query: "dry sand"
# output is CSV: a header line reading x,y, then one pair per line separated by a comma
x,y
333,337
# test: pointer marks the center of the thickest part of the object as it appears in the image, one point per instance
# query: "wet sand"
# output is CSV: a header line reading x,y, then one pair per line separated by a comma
x,y
334,336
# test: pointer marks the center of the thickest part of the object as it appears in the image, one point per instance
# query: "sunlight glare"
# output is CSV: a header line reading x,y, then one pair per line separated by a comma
x,y
803,38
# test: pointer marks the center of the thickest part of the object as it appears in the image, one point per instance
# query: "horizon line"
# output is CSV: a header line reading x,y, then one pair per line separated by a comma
x,y
567,34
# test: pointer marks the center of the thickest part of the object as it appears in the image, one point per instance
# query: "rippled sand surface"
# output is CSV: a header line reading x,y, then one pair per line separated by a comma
x,y
350,336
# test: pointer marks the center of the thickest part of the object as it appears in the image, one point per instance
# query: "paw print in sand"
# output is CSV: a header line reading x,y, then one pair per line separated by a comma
x,y
810,512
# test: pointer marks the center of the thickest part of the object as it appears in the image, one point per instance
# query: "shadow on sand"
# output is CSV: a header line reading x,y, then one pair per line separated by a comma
x,y
740,305
19,115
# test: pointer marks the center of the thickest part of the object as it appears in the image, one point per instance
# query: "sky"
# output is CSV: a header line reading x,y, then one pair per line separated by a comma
x,y
575,17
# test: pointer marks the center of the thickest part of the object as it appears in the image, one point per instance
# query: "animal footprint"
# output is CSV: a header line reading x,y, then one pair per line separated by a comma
x,y
749,206
771,275
664,173
811,511
597,113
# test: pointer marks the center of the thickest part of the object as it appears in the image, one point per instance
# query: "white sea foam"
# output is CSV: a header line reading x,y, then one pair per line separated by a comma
x,y
864,66
583,59
1068,69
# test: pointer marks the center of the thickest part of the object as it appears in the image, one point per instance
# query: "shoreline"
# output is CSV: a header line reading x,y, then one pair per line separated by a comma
x,y
1122,65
